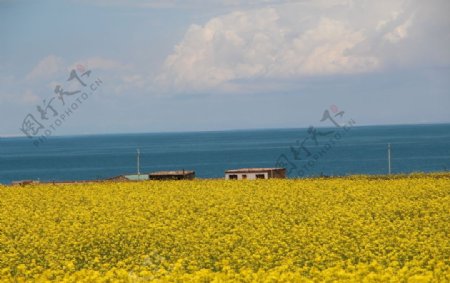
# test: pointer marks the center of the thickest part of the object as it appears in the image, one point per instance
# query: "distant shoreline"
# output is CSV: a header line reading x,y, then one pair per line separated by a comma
x,y
414,175
15,136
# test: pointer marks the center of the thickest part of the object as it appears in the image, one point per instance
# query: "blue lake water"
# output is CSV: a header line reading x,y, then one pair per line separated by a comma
x,y
359,150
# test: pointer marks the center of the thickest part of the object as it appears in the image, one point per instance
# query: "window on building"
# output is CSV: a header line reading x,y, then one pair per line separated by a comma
x,y
233,177
260,176
244,176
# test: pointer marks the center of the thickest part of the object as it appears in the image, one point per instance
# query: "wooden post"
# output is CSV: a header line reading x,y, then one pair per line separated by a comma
x,y
138,164
389,158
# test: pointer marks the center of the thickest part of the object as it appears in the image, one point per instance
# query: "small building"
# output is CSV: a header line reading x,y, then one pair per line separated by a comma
x,y
255,173
172,175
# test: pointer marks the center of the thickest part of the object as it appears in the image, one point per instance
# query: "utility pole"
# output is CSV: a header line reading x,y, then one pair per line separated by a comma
x,y
389,158
138,163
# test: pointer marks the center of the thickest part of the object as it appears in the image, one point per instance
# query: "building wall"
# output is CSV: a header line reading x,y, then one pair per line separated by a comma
x,y
249,176
253,175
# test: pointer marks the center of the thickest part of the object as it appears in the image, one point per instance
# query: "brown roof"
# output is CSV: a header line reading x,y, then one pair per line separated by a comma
x,y
253,170
171,173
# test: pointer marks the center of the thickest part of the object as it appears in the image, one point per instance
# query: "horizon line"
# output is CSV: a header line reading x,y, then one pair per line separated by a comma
x,y
8,136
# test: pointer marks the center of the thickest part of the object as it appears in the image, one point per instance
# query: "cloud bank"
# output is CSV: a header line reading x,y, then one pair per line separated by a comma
x,y
296,40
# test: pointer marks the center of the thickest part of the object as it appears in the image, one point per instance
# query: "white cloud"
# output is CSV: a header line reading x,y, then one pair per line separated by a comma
x,y
52,71
293,40
47,67
400,32
193,4
51,65
264,43
384,22
325,49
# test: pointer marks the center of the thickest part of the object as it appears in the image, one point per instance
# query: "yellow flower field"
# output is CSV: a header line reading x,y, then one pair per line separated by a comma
x,y
344,229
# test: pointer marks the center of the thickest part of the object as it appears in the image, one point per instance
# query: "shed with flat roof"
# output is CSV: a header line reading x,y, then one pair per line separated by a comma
x,y
172,175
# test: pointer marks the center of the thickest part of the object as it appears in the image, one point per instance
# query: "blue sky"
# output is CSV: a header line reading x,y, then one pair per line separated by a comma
x,y
225,64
